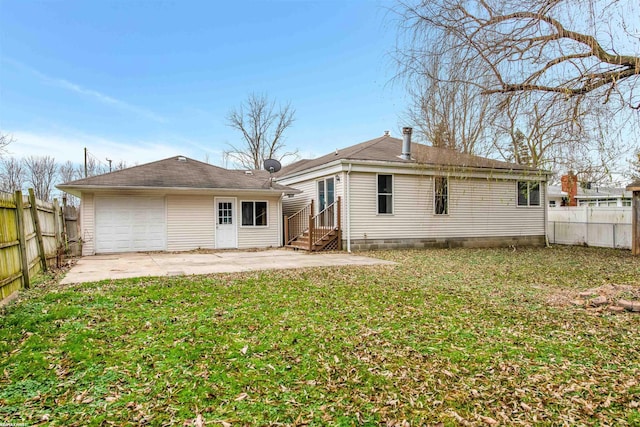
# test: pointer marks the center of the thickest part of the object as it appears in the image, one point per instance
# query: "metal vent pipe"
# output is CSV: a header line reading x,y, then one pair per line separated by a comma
x,y
406,143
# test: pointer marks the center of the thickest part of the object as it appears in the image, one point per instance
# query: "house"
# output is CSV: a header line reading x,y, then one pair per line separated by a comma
x,y
178,204
572,194
389,192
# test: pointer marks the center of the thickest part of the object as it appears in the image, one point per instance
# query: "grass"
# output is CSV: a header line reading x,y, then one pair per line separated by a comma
x,y
457,337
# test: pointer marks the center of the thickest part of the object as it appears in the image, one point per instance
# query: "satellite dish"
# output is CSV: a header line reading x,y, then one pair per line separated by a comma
x,y
272,165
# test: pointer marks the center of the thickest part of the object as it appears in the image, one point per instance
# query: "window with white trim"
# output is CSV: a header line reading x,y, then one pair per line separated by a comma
x,y
326,193
385,194
441,195
528,193
254,214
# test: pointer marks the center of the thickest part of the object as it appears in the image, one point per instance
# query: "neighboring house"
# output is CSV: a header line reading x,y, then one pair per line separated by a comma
x,y
395,193
178,204
595,196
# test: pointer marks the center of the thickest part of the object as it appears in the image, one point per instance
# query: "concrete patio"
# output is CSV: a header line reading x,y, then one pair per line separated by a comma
x,y
127,265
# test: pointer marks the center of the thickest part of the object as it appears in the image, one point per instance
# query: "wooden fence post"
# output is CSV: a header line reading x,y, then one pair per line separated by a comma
x,y
65,234
36,225
57,227
56,224
21,238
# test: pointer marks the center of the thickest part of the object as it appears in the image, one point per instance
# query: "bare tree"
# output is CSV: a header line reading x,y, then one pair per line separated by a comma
x,y
68,172
5,140
447,111
635,165
549,68
119,165
262,127
12,175
92,168
566,48
534,134
41,174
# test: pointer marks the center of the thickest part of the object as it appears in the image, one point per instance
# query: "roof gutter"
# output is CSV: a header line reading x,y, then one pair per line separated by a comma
x,y
426,167
76,190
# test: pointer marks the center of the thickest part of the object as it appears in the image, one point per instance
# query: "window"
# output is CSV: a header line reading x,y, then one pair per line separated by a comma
x,y
385,194
254,214
326,193
441,195
225,213
528,193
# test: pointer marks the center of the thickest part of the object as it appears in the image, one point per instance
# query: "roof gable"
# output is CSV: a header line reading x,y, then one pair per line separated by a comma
x,y
179,172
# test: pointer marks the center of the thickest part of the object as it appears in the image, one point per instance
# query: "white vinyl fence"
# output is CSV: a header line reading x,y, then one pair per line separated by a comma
x,y
608,227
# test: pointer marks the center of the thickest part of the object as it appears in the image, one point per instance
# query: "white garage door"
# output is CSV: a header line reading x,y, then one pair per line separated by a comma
x,y
130,224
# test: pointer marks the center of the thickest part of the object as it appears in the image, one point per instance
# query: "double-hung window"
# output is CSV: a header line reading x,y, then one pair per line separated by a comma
x,y
528,193
385,194
441,195
254,214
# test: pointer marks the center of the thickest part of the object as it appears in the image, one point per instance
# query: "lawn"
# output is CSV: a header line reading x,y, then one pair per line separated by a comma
x,y
445,337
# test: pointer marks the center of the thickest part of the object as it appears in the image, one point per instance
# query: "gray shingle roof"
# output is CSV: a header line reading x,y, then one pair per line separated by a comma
x,y
180,172
388,149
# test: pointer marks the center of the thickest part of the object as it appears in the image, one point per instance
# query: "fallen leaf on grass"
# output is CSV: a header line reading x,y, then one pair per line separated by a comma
x,y
448,373
241,396
489,420
244,349
459,419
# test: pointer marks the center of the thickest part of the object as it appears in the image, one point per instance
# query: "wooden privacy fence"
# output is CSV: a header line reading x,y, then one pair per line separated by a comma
x,y
33,236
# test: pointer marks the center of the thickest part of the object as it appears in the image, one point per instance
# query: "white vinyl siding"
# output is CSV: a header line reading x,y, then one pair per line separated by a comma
x,y
309,189
87,224
476,208
262,237
291,205
190,222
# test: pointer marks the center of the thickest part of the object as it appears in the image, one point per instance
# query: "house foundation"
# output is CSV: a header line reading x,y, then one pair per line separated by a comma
x,y
457,242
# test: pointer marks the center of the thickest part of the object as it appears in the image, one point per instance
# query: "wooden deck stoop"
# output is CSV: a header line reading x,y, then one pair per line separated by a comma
x,y
314,233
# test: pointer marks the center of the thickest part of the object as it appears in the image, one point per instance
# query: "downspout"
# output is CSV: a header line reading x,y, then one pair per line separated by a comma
x,y
281,220
348,206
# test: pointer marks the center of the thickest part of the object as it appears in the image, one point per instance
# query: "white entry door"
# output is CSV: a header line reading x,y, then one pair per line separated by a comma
x,y
226,227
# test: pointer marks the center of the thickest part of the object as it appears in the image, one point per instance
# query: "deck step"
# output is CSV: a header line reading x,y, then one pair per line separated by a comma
x,y
327,240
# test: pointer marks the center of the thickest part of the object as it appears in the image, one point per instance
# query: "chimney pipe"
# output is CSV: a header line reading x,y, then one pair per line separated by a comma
x,y
406,143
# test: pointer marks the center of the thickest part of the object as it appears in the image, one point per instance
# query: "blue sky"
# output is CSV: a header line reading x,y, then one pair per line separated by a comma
x,y
144,80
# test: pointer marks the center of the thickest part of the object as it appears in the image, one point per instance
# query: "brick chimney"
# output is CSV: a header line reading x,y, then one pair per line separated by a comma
x,y
570,186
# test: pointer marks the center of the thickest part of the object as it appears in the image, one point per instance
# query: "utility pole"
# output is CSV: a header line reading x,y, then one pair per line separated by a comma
x,y
109,160
85,162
